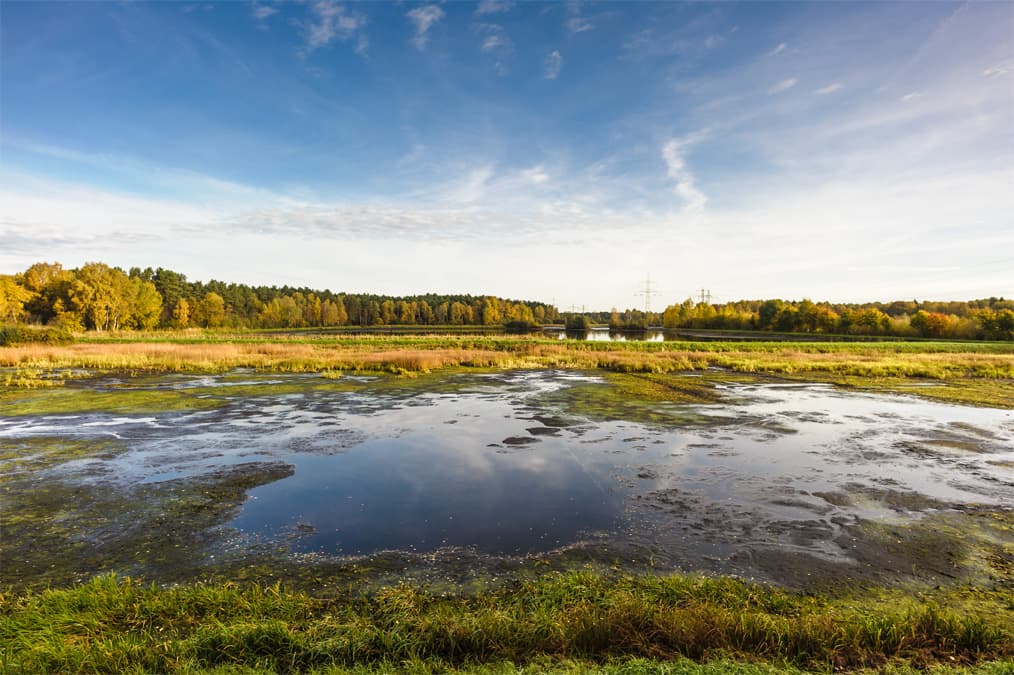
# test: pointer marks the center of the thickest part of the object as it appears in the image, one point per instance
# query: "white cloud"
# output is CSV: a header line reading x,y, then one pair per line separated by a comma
x,y
911,96
423,18
493,7
492,43
712,41
579,24
552,65
778,50
536,174
676,168
829,89
262,12
332,22
496,39
784,85
999,70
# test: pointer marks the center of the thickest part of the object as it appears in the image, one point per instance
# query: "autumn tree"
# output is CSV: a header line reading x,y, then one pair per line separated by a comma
x,y
13,297
212,310
181,313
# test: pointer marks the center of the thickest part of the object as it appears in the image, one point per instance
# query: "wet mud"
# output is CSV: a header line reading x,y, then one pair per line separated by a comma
x,y
474,478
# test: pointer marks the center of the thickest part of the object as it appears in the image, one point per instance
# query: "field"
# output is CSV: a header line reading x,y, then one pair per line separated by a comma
x,y
106,573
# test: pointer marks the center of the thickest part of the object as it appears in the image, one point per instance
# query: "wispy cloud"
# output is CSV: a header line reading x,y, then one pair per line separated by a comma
x,y
912,95
577,23
999,70
332,21
493,43
778,50
536,174
262,12
673,152
423,18
784,85
829,89
552,65
493,7
494,39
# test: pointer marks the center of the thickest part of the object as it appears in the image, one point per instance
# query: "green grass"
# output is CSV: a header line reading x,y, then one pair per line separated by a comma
x,y
560,621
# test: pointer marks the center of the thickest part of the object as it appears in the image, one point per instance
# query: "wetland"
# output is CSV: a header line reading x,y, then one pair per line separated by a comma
x,y
486,484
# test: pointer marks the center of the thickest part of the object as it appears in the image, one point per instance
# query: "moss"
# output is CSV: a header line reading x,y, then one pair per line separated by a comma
x,y
647,398
57,529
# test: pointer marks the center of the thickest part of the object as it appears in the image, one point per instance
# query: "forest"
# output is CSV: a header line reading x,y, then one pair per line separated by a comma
x,y
986,319
99,297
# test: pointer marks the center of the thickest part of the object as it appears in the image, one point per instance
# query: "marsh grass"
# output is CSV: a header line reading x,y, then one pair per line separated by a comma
x,y
424,353
559,621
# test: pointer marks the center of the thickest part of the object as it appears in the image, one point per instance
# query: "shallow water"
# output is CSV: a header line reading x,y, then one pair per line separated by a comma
x,y
490,463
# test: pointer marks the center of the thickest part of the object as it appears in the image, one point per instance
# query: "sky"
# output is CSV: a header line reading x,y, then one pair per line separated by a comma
x,y
563,152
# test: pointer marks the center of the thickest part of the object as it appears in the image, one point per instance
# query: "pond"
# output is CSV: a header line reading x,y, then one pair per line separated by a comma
x,y
515,464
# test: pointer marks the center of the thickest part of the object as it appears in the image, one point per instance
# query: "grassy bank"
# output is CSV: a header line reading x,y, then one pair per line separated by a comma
x,y
569,622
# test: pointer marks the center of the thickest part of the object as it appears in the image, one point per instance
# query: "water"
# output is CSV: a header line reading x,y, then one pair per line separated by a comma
x,y
503,465
607,335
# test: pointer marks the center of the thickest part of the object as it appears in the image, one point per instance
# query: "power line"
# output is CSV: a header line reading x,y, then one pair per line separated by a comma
x,y
647,293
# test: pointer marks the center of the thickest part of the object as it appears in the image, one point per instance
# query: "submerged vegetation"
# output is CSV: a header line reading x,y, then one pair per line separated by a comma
x,y
113,624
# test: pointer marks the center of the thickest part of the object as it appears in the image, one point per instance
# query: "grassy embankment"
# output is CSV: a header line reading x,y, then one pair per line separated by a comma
x,y
976,373
572,622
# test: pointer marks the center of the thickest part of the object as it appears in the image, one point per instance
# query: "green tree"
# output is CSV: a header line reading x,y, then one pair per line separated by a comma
x,y
102,296
147,304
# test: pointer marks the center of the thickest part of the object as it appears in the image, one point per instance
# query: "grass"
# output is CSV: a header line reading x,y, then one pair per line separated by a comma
x,y
977,373
559,621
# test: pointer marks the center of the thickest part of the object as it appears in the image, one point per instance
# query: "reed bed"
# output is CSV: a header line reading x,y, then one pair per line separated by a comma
x,y
421,354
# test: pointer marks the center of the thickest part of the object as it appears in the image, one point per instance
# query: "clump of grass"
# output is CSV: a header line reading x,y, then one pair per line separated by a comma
x,y
112,624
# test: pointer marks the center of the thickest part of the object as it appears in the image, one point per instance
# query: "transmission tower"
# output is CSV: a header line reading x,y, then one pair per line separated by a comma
x,y
705,296
647,293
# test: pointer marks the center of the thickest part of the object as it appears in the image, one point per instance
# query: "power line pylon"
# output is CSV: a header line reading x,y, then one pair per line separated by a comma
x,y
647,293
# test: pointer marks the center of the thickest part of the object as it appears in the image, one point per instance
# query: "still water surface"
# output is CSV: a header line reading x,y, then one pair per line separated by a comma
x,y
506,464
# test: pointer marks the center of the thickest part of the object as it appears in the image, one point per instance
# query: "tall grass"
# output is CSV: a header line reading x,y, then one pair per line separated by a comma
x,y
116,625
424,353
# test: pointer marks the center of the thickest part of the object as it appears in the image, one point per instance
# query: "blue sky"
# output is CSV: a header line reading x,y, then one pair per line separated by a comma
x,y
847,151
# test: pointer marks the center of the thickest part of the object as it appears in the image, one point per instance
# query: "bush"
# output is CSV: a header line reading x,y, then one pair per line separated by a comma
x,y
521,327
16,335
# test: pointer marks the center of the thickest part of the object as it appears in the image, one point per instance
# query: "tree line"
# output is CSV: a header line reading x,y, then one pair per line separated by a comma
x,y
99,297
990,318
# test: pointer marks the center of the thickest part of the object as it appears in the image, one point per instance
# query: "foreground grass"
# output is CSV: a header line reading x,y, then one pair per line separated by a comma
x,y
565,623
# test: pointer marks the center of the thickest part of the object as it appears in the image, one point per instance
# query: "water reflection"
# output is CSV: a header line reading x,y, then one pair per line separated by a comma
x,y
609,335
500,462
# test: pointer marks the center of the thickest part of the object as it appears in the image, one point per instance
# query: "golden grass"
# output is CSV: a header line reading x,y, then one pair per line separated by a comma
x,y
416,356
